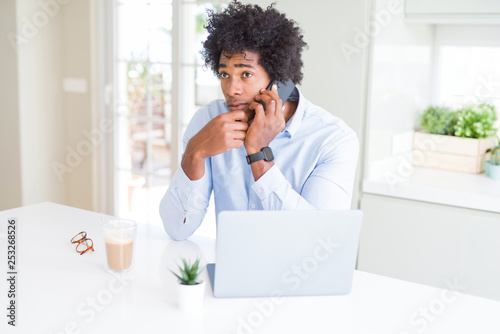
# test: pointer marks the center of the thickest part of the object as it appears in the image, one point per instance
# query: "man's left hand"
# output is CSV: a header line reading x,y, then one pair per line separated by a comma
x,y
266,124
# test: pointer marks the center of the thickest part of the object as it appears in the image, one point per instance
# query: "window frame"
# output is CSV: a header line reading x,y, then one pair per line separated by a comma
x,y
105,195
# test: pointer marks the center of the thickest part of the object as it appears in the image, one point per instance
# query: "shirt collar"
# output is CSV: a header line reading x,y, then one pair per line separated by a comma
x,y
293,124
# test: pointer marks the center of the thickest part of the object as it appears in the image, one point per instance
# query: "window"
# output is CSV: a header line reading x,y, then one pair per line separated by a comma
x,y
159,82
467,69
468,74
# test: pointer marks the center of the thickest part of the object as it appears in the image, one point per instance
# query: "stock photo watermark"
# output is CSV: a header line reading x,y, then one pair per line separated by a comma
x,y
30,27
12,274
421,319
226,178
88,310
74,156
381,19
417,156
297,274
292,278
485,89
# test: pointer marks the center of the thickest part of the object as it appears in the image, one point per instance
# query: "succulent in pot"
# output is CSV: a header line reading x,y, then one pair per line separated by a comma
x,y
191,289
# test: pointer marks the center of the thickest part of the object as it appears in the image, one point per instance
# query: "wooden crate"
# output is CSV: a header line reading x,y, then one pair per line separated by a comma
x,y
451,153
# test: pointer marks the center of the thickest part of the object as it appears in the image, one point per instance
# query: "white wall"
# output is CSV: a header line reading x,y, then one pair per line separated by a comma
x,y
42,121
40,102
332,80
10,159
76,54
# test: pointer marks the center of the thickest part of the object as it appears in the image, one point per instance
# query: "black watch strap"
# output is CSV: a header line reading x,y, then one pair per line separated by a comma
x,y
265,154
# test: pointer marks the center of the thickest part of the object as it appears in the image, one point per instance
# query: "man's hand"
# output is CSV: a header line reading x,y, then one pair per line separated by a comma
x,y
266,124
264,128
221,134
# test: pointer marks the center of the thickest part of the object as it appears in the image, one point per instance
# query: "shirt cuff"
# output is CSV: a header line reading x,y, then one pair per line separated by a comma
x,y
268,183
182,182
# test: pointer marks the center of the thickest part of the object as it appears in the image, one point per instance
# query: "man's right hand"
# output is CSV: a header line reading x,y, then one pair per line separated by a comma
x,y
222,133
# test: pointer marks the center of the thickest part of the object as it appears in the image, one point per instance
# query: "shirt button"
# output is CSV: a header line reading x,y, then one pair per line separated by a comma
x,y
259,191
252,206
188,188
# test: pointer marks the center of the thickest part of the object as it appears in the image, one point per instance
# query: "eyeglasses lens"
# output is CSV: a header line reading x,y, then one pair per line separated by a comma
x,y
84,245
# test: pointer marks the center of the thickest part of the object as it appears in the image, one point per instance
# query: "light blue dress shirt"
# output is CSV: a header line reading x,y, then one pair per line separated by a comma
x,y
315,160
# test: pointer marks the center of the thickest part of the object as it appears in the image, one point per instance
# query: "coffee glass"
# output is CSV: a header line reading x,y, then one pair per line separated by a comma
x,y
119,236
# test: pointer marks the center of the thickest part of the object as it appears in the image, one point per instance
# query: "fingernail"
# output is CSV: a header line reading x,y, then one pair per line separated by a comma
x,y
273,102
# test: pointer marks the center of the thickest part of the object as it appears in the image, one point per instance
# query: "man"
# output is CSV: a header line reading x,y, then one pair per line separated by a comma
x,y
315,153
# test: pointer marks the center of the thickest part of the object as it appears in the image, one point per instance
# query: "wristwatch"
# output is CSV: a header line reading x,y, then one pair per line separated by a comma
x,y
265,154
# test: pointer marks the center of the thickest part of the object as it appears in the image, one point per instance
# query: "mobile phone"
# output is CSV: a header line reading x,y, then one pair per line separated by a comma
x,y
285,89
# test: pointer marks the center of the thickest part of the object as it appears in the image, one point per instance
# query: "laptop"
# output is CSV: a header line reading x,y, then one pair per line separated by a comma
x,y
285,253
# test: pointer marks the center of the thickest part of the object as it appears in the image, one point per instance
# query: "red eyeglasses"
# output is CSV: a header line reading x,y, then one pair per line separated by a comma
x,y
83,243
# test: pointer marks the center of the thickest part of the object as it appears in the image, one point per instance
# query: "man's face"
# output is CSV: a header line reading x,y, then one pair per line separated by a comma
x,y
241,79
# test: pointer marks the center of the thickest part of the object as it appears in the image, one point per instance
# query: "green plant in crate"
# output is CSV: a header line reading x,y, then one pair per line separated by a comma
x,y
476,121
438,120
189,273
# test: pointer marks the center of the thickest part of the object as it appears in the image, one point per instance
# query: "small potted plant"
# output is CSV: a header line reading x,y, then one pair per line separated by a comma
x,y
438,120
492,167
455,140
190,289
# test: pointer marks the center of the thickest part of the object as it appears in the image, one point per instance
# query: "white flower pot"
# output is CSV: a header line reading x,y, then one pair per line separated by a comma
x,y
190,297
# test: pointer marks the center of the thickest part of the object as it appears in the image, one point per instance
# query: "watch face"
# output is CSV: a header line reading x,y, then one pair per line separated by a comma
x,y
268,154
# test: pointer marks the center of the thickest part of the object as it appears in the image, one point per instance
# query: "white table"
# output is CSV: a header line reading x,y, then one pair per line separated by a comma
x,y
60,291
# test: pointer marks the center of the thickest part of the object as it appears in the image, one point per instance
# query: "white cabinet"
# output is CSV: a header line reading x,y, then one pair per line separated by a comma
x,y
452,7
431,244
453,11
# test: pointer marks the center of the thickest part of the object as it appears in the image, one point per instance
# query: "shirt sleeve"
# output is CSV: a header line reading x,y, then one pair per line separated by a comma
x,y
185,203
328,187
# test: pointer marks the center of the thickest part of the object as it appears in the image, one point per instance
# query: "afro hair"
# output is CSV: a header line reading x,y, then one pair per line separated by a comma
x,y
239,28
